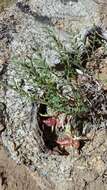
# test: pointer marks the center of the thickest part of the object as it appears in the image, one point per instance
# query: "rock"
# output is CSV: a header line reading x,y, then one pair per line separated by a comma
x,y
100,167
2,127
21,29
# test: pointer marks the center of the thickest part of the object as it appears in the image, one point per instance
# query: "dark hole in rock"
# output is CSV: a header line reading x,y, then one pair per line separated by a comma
x,y
49,136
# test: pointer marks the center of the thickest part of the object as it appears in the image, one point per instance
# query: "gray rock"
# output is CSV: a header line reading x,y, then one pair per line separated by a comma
x,y
20,135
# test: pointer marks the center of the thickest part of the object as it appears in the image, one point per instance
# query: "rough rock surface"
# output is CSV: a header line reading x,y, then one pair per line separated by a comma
x,y
87,170
22,27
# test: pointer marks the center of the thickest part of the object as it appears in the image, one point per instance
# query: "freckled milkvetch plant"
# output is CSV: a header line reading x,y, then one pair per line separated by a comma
x,y
69,94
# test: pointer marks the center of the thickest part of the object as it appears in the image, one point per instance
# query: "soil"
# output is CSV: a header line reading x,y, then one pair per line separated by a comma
x,y
19,177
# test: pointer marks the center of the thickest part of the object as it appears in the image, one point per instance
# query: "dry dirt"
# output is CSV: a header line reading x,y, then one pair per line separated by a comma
x,y
18,177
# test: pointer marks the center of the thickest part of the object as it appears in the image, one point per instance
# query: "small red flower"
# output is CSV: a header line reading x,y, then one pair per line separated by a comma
x,y
69,142
50,121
